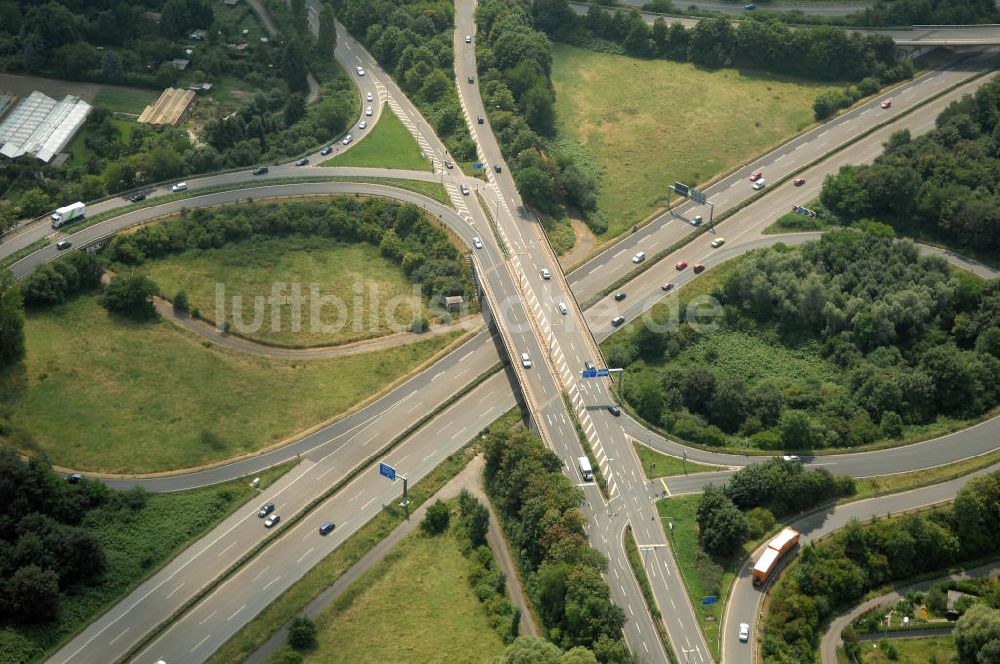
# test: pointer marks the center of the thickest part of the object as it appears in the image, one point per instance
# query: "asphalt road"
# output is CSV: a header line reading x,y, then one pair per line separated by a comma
x,y
522,336
745,600
738,6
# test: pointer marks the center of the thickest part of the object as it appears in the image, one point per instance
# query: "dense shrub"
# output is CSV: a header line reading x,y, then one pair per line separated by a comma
x,y
53,283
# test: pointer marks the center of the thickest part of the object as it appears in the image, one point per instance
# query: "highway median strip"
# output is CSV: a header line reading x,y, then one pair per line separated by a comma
x,y
305,511
635,560
599,478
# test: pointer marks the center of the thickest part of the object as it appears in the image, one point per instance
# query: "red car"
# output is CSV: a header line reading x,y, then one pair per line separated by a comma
x,y
887,103
756,175
667,286
798,182
698,267
681,265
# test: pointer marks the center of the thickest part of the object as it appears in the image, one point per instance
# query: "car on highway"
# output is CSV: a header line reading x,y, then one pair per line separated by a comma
x,y
639,257
368,111
265,509
363,124
744,632
617,320
327,150
260,170
698,267
63,244
718,242
370,97
697,220
448,165
477,243
798,182
562,308
496,167
74,478
615,410
480,119
791,457
667,286
886,104
302,162
327,528
271,521
680,265
525,361
546,274
361,72
749,8
135,198
756,175
759,184
588,365
465,190
180,186
471,80
347,139
619,296
468,39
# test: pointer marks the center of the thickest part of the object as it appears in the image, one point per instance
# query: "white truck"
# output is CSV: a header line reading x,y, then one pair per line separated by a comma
x,y
585,469
67,214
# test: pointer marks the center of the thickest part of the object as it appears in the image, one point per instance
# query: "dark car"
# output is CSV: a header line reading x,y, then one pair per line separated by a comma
x,y
265,509
74,478
480,119
619,296
496,167
698,267
302,162
135,198
63,244
259,171
327,528
588,365
448,164
472,80
615,410
798,182
617,320
327,150
667,286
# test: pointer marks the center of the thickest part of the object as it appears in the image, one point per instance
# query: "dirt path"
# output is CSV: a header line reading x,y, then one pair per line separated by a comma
x,y
585,242
212,333
471,478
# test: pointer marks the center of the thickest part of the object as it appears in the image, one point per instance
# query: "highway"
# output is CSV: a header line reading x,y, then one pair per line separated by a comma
x,y
737,6
629,489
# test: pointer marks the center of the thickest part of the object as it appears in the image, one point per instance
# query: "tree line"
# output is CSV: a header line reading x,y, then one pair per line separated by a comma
x,y
749,504
47,549
898,341
539,510
944,185
837,573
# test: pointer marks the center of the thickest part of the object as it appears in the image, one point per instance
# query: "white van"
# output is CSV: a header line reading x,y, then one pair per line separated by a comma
x,y
585,469
562,308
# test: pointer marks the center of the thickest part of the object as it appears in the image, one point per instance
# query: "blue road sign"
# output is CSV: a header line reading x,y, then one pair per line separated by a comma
x,y
711,599
681,189
601,373
385,470
477,165
589,373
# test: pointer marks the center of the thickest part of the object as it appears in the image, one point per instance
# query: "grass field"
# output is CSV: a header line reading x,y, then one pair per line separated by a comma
x,y
136,544
124,100
81,154
98,393
926,650
656,464
388,145
356,275
701,575
423,584
652,122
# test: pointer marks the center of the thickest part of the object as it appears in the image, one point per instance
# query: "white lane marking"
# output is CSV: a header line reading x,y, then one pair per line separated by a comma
x,y
198,645
178,588
365,506
112,642
304,555
269,583
260,574
209,617
235,612
231,545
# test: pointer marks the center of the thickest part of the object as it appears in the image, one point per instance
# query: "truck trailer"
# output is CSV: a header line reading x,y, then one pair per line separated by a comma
x,y
776,549
67,214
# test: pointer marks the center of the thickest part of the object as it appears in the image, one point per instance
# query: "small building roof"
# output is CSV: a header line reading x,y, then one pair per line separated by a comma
x,y
169,108
180,64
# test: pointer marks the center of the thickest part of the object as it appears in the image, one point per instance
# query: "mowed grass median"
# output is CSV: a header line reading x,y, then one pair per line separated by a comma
x,y
102,394
374,294
649,123
388,144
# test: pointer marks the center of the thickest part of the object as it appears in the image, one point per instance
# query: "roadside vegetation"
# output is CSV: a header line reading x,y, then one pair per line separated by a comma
x,y
73,550
847,341
388,145
656,464
613,105
835,574
454,600
942,187
916,650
